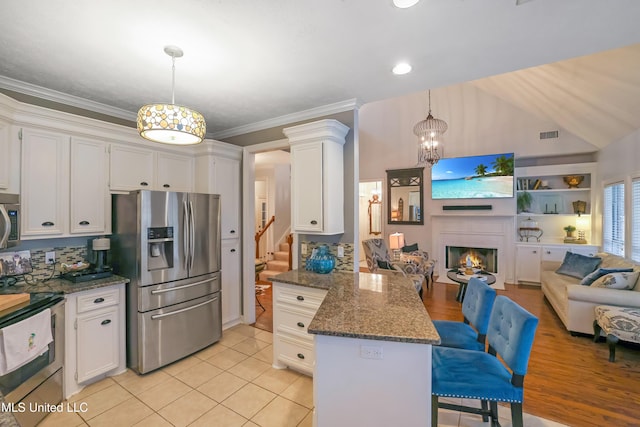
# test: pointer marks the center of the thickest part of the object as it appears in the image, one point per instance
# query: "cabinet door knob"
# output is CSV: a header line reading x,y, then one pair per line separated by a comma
x,y
232,231
232,250
105,322
300,324
98,300
300,356
48,224
84,223
548,252
166,185
314,222
144,183
300,298
535,252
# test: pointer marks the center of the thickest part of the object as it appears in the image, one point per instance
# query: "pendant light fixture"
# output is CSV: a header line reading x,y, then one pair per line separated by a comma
x,y
429,132
170,123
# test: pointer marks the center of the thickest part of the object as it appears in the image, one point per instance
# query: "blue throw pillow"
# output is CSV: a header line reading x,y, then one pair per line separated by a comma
x,y
385,265
410,248
592,277
578,266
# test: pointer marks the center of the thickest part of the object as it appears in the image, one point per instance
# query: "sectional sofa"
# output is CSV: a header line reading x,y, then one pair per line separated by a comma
x,y
575,304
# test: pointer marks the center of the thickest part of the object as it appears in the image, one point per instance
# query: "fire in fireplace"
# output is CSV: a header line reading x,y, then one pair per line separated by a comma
x,y
485,258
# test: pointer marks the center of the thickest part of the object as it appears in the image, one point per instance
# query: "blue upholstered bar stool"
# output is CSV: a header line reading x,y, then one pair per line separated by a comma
x,y
476,309
478,375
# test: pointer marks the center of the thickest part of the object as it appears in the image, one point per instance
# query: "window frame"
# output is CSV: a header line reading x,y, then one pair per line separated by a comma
x,y
624,230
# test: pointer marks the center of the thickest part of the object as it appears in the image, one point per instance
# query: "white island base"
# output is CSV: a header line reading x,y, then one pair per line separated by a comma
x,y
351,390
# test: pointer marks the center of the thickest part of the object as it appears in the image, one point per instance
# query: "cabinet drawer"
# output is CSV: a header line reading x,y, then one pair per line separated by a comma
x,y
98,299
298,296
295,322
296,353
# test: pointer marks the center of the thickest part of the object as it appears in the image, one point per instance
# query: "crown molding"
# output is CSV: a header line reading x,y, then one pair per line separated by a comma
x,y
63,98
312,113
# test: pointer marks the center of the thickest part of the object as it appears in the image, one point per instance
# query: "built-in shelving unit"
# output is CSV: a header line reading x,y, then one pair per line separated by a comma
x,y
554,204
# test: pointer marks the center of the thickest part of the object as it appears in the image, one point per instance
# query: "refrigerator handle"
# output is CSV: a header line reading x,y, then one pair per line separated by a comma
x,y
7,227
186,234
192,237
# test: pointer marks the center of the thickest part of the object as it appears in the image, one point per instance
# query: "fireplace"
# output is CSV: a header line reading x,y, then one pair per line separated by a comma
x,y
484,258
491,236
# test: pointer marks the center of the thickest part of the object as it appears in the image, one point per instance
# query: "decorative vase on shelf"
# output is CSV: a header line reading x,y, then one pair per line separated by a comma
x,y
321,260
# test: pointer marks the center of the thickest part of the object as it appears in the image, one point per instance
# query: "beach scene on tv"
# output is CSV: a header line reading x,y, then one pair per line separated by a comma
x,y
476,177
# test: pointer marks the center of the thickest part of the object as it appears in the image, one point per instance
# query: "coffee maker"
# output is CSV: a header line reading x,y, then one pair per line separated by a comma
x,y
100,247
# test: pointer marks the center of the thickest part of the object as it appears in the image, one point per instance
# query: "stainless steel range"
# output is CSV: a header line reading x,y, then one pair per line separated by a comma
x,y
168,245
40,380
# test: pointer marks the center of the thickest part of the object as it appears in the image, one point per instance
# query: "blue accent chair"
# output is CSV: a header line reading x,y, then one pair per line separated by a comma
x,y
476,309
477,375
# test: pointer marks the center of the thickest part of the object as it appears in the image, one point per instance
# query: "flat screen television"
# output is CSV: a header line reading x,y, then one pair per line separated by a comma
x,y
475,177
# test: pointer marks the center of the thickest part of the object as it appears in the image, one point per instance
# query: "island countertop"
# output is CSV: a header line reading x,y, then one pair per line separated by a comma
x,y
367,306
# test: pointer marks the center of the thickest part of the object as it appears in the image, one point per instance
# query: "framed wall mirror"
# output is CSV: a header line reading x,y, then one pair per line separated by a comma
x,y
406,196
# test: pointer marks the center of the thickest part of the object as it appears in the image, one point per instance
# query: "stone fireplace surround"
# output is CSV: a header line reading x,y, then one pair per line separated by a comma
x,y
474,231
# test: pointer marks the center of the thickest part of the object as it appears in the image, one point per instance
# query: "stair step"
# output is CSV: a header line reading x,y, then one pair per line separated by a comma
x,y
284,247
278,265
281,256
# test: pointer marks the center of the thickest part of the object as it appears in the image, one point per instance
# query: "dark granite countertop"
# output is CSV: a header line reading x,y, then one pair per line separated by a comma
x,y
367,306
62,286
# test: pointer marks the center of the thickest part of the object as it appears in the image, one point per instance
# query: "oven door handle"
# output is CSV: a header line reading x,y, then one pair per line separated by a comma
x,y
171,313
177,288
7,227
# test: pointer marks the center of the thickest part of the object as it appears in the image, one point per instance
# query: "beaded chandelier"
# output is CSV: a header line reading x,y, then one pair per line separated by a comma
x,y
429,132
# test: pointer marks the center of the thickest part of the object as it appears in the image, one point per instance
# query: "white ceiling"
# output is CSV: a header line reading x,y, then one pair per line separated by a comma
x,y
250,64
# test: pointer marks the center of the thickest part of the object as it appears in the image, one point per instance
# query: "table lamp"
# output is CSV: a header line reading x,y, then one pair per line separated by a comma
x,y
396,242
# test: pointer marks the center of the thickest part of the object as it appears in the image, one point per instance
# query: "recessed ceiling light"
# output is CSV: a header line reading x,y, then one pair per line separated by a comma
x,y
401,68
403,4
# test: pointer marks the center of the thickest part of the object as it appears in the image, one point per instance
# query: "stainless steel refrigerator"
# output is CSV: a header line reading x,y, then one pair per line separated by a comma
x,y
168,245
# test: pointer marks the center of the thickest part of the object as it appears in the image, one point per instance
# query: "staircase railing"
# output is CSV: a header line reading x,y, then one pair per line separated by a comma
x,y
260,233
290,242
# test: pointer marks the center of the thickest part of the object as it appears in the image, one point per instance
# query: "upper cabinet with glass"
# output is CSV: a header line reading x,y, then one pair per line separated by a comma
x,y
405,200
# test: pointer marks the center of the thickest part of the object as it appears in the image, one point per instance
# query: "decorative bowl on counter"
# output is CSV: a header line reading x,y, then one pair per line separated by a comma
x,y
573,180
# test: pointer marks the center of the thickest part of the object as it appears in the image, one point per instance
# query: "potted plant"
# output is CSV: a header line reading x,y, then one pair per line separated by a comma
x,y
569,229
524,201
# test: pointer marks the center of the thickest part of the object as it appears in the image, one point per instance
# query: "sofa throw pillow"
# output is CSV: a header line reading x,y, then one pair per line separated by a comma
x,y
592,277
578,266
385,265
617,280
410,248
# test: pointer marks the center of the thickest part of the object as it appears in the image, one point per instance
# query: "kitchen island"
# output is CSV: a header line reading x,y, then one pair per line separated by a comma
x,y
371,349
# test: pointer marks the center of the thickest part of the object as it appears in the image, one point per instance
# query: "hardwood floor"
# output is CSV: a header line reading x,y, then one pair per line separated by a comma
x,y
570,379
264,313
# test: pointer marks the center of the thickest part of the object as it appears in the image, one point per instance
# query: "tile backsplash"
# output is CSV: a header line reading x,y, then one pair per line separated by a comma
x,y
64,254
344,263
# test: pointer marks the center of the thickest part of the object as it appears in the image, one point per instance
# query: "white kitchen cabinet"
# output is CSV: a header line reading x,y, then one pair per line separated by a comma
x,y
226,176
130,168
98,346
554,253
45,183
317,177
94,336
89,194
293,309
5,156
528,259
174,172
231,285
136,168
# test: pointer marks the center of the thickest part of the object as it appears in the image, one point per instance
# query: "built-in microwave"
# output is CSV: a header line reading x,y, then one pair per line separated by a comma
x,y
9,220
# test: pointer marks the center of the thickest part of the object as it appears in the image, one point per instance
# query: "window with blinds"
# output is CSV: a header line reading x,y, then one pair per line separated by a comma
x,y
635,219
613,219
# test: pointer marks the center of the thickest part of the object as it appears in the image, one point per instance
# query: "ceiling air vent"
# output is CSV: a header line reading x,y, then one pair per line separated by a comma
x,y
549,135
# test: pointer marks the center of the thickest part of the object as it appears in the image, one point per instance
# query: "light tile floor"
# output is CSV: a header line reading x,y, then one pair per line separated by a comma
x,y
230,383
